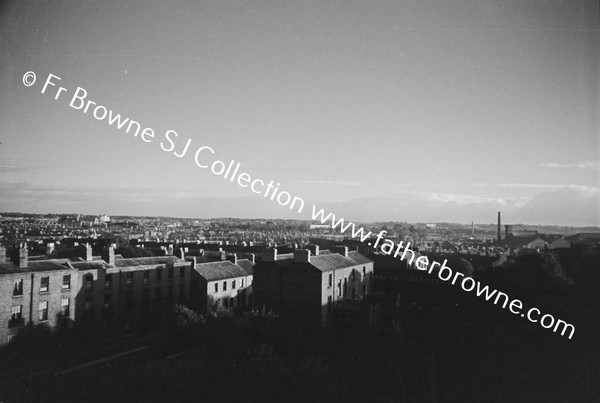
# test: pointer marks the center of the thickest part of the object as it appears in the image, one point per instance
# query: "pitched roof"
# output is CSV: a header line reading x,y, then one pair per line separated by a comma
x,y
358,257
247,265
212,271
87,265
332,261
148,261
39,265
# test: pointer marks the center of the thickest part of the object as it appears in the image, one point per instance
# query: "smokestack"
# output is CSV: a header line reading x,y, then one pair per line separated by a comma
x,y
499,228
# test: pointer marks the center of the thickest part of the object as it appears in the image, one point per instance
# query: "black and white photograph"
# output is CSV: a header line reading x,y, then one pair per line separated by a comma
x,y
391,201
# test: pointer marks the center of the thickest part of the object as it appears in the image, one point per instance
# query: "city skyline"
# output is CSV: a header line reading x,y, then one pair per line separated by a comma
x,y
409,111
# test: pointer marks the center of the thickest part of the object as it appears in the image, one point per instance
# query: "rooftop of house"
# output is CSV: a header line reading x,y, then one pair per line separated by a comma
x,y
247,265
149,261
328,262
221,270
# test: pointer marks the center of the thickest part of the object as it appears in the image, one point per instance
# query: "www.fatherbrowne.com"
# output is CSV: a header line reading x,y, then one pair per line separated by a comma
x,y
445,273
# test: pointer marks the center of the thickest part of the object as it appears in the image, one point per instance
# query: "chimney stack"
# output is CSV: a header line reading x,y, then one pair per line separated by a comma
x,y
342,250
88,252
269,255
170,250
302,255
49,248
108,255
251,257
314,249
23,255
234,258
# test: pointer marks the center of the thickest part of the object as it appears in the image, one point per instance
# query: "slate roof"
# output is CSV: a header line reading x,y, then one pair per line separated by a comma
x,y
247,265
330,262
40,265
212,271
93,264
358,257
148,261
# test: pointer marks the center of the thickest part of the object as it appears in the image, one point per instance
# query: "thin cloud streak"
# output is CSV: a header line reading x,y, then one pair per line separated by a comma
x,y
579,165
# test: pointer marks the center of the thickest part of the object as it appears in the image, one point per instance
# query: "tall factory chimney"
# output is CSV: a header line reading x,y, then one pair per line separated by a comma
x,y
499,228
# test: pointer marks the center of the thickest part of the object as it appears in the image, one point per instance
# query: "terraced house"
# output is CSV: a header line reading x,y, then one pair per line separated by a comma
x,y
311,286
108,293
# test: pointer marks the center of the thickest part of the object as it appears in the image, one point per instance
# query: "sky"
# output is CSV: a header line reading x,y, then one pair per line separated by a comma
x,y
383,110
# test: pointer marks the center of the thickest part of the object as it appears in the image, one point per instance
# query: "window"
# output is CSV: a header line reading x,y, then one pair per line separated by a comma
x,y
364,271
66,285
16,317
88,281
216,287
242,283
158,275
18,288
353,275
170,274
65,305
43,311
16,312
226,303
9,338
107,302
370,278
108,281
330,282
345,286
146,277
44,283
231,303
224,285
182,273
233,284
339,287
129,278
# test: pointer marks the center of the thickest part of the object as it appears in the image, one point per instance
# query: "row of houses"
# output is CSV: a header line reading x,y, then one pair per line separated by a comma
x,y
113,295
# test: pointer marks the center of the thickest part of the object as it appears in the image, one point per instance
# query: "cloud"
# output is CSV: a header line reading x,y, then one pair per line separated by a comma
x,y
572,205
581,165
531,186
329,183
